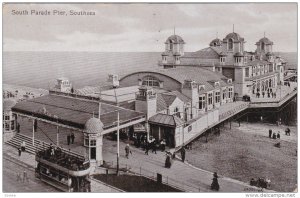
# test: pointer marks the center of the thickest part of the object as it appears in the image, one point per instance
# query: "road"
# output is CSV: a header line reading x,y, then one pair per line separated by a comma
x,y
10,184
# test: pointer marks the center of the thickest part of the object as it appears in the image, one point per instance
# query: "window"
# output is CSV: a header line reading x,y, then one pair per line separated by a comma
x,y
6,126
247,72
6,117
201,102
224,94
262,46
171,46
176,112
86,142
150,81
217,96
230,44
230,93
12,125
210,99
92,143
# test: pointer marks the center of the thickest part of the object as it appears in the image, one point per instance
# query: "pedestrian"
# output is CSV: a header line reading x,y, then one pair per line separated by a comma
x,y
72,138
182,154
153,146
146,148
25,177
127,150
19,178
168,160
18,128
274,136
278,135
287,131
270,133
19,151
23,146
163,145
215,184
68,139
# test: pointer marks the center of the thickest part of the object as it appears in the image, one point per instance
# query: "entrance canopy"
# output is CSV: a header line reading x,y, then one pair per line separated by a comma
x,y
73,113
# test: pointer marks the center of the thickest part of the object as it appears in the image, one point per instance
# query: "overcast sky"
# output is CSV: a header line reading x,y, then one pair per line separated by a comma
x,y
145,27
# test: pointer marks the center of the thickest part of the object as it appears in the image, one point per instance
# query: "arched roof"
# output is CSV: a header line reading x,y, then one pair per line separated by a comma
x,y
216,41
175,39
93,126
180,74
264,40
235,36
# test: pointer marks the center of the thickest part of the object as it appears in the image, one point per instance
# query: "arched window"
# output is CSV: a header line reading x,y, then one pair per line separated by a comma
x,y
150,81
230,44
171,46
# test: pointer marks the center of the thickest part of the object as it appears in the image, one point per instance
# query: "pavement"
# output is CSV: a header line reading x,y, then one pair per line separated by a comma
x,y
183,175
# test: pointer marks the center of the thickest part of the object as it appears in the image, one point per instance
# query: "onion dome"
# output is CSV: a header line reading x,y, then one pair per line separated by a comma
x,y
93,126
216,42
8,104
239,54
265,40
235,36
175,39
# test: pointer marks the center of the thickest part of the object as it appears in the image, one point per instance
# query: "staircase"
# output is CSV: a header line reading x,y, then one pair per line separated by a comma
x,y
38,145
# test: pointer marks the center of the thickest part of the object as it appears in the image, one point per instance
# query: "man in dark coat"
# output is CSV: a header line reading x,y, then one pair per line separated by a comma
x,y
270,133
68,139
183,154
19,151
146,147
72,138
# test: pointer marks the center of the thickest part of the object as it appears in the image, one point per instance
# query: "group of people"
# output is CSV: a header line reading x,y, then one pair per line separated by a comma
x,y
25,176
70,138
277,135
268,94
274,135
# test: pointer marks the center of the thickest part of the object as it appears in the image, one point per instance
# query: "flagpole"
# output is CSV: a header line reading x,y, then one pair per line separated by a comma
x,y
118,142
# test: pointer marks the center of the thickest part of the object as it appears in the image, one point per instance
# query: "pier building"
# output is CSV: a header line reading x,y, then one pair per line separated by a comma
x,y
251,72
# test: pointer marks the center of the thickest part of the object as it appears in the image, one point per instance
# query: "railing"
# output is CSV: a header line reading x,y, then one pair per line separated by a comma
x,y
233,111
138,170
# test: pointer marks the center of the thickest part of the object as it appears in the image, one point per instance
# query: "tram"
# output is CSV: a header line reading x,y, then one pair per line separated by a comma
x,y
62,170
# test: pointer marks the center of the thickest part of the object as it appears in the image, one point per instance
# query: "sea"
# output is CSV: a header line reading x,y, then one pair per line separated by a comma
x,y
40,69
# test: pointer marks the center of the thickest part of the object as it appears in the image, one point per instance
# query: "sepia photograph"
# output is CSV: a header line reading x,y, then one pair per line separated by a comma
x,y
150,98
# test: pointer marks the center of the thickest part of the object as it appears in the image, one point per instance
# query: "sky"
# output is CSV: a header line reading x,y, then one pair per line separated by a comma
x,y
145,27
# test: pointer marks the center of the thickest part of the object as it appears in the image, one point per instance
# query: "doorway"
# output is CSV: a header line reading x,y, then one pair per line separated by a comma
x,y
93,153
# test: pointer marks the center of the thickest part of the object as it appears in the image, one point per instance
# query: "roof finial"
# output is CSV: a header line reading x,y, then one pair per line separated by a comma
x,y
264,34
217,34
233,28
174,30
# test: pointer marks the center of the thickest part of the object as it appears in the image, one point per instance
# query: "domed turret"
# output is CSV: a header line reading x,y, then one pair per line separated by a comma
x,y
215,43
175,39
93,126
264,46
235,36
234,43
174,49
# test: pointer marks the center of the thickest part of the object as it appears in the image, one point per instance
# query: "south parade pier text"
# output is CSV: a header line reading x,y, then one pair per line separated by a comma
x,y
51,12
